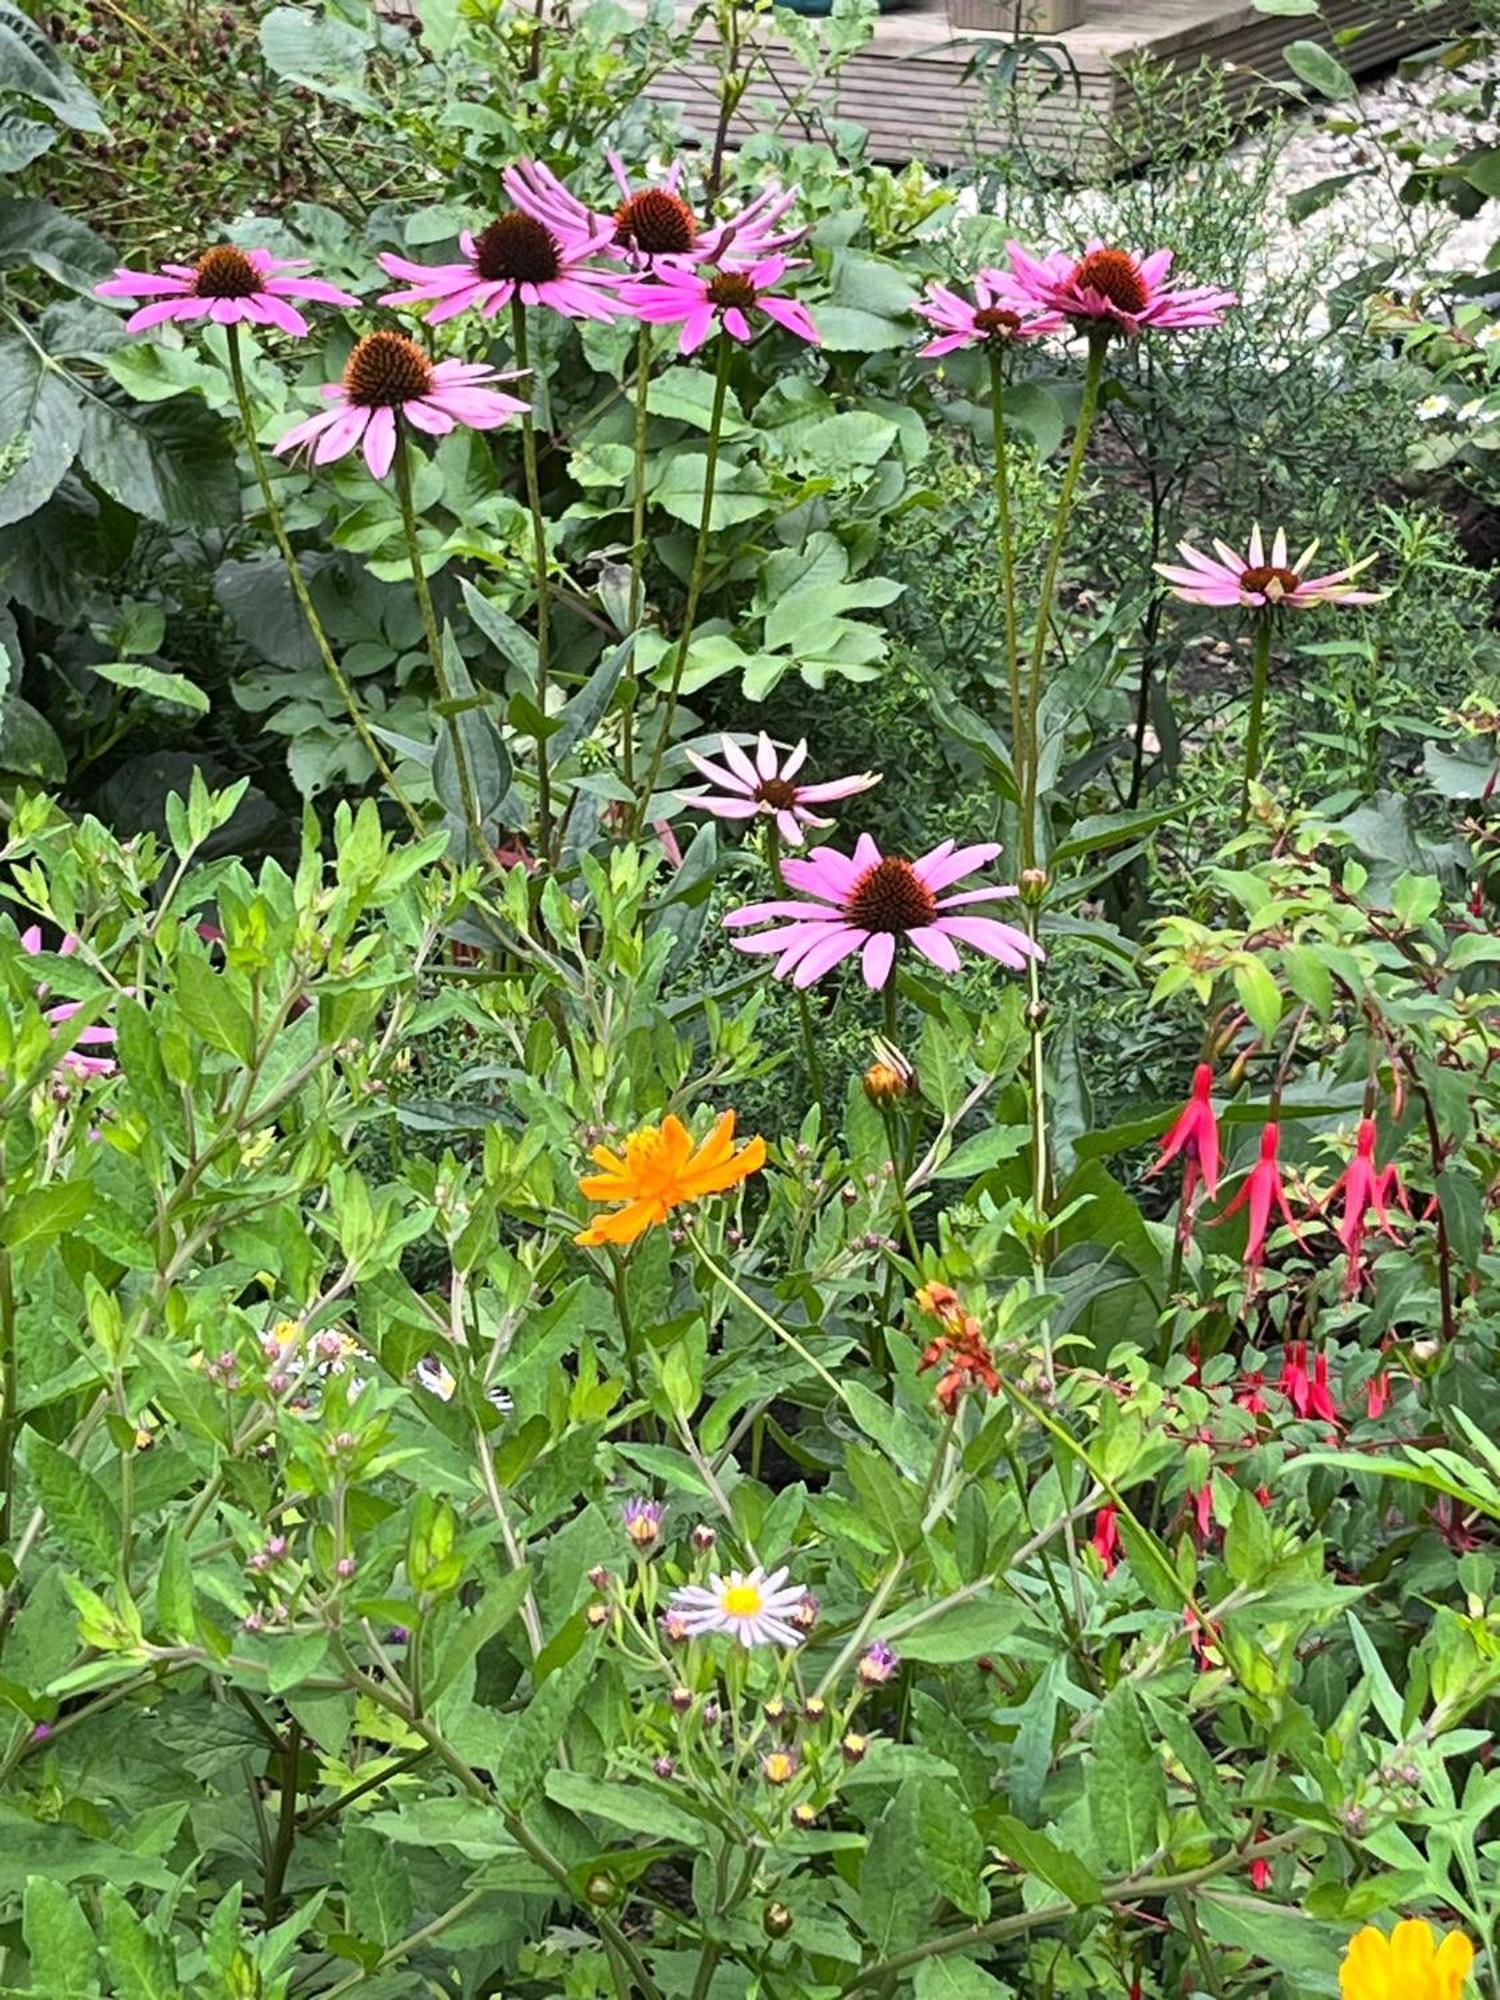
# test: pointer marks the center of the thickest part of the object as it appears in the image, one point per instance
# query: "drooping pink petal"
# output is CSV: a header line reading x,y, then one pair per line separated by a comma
x,y
878,956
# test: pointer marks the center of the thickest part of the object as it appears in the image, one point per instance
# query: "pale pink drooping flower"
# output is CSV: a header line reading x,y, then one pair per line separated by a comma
x,y
389,377
989,321
230,287
514,257
729,295
869,903
655,220
766,788
1127,293
1258,584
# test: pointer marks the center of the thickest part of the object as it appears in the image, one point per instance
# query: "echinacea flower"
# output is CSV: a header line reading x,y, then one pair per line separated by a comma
x,y
751,1607
728,294
869,902
990,321
1252,582
1109,288
1194,1134
765,789
642,1521
1263,1191
227,286
1367,1191
1410,1964
654,220
98,1034
513,257
658,1170
386,377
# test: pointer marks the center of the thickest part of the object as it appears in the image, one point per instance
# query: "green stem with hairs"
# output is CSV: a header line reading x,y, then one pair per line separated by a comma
x,y
1087,410
1256,723
446,698
300,590
695,579
637,544
1007,566
717,1272
522,344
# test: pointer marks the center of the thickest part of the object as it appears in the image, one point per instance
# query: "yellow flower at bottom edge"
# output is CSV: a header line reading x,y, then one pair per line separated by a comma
x,y
660,1170
1410,1964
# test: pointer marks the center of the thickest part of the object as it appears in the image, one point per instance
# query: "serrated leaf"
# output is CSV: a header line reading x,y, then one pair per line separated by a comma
x,y
895,1899
1125,1784
41,423
64,1957
1051,1864
79,1511
140,1963
633,1806
377,1884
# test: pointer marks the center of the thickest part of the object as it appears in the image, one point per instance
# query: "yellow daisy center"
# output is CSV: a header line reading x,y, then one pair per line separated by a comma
x,y
742,1600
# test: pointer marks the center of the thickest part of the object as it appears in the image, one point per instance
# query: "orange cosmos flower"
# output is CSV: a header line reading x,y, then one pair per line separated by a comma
x,y
1410,1964
661,1170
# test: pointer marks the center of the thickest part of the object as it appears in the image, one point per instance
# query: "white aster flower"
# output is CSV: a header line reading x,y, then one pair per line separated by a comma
x,y
437,1380
1432,407
754,1608
1490,334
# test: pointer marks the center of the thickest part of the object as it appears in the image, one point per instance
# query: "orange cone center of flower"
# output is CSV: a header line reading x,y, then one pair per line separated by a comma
x,y
657,222
731,288
741,1600
226,273
386,370
776,793
995,323
1270,582
888,897
1116,276
519,248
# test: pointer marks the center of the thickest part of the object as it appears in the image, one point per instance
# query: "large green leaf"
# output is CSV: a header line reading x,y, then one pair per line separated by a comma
x,y
41,423
33,231
169,461
31,66
64,1957
79,1511
894,1890
1126,1786
28,743
379,1886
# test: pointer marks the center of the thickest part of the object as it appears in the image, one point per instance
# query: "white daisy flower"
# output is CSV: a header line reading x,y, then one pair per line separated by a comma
x,y
1490,335
754,1608
437,1380
1432,407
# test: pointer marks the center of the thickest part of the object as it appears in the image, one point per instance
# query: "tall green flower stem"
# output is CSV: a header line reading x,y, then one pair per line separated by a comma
x,y
301,592
1256,724
446,696
637,543
804,1009
1067,494
1007,563
695,579
521,341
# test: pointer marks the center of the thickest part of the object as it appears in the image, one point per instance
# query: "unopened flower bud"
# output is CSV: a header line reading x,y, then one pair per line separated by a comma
x,y
703,1538
776,1711
1032,883
597,1617
345,1567
664,1767
601,1890
681,1699
853,1746
805,1614
804,1815
600,1577
814,1709
779,1767
776,1920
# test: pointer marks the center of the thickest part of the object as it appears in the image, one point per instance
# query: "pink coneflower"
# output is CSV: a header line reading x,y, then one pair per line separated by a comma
x,y
1129,294
388,376
727,294
515,257
756,1609
655,220
228,286
97,1035
764,789
869,902
1251,581
988,322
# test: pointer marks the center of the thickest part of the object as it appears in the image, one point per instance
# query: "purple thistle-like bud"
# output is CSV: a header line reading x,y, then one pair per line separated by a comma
x,y
674,1628
40,1732
664,1767
642,1519
805,1616
877,1665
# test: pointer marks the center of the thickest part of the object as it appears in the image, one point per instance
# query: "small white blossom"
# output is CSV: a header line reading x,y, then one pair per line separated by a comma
x,y
753,1608
1432,407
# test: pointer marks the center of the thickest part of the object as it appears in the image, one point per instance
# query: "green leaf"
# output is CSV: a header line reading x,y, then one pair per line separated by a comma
x,y
583,713
140,1963
952,1846
175,689
41,423
474,1629
79,1511
632,1805
314,48
957,1979
1125,1783
63,1854
1035,1853
45,1211
964,1633
1309,978
1319,70
33,231
31,66
1247,1541
210,1007
64,1957
740,491
895,1896
510,640
1258,994
174,1589
29,747
985,1150
377,1885
169,461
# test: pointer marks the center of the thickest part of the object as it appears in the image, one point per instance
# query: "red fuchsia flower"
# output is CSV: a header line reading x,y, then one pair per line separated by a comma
x,y
1367,1191
765,789
1308,1394
1128,294
988,322
1250,1395
1203,1509
727,294
1201,1635
869,903
386,377
1105,1539
1263,1192
97,1035
1378,1394
1256,584
228,286
514,257
1195,1135
1260,1870
654,220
